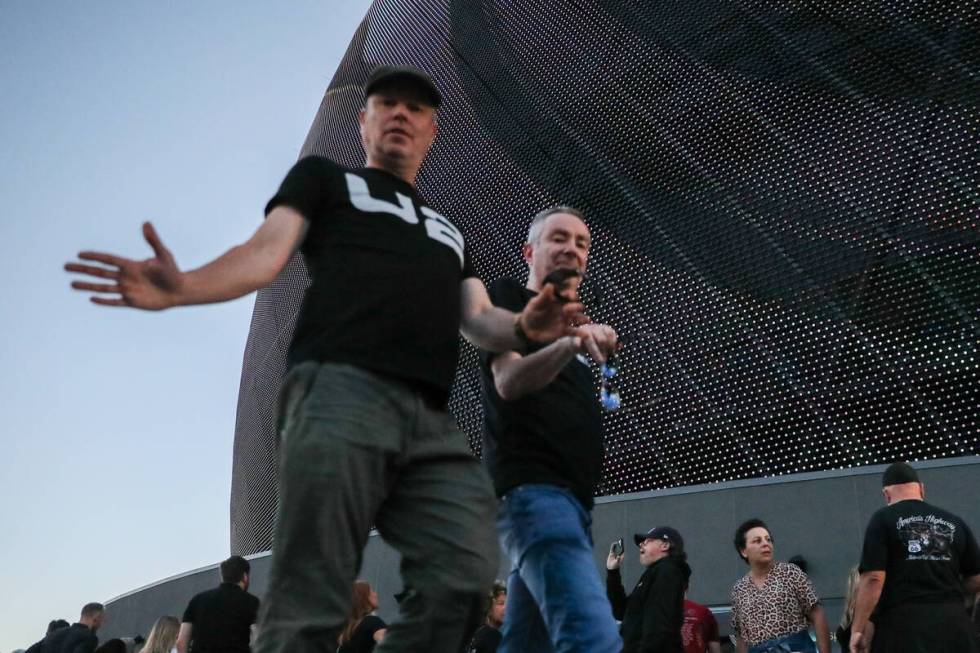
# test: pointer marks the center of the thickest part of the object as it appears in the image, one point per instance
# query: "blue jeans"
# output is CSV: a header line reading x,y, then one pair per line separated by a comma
x,y
555,598
796,642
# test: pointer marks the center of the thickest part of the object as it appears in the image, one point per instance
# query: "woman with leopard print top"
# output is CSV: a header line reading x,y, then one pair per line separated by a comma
x,y
773,602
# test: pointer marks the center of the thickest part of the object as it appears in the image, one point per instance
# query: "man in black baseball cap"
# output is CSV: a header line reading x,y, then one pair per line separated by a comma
x,y
899,474
403,77
916,561
371,363
653,613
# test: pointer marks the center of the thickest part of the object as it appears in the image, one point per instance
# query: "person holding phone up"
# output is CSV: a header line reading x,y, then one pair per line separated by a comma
x,y
653,613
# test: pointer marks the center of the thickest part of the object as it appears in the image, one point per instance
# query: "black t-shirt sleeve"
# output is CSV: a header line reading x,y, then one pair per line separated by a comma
x,y
189,613
874,554
970,563
305,187
468,269
616,593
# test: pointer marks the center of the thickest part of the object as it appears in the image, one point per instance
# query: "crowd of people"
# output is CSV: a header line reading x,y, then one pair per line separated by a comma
x,y
220,620
366,438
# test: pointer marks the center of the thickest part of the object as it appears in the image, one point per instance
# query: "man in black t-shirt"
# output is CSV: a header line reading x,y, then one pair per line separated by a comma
x,y
221,620
916,562
365,435
544,449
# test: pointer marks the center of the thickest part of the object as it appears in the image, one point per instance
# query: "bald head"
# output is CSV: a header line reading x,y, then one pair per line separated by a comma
x,y
903,492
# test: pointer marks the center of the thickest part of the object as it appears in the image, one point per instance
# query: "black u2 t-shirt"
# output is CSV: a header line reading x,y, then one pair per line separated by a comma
x,y
553,435
386,272
923,551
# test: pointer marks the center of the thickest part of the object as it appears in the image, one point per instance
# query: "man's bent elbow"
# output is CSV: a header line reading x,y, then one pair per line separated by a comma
x,y
506,390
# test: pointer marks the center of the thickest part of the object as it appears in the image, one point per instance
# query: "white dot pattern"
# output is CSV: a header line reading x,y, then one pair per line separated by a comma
x,y
784,204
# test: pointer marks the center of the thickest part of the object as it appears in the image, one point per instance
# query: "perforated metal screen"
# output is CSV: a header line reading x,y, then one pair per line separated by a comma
x,y
784,203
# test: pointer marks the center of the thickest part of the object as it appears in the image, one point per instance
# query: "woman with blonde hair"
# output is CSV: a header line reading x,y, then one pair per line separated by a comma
x,y
846,617
363,629
163,636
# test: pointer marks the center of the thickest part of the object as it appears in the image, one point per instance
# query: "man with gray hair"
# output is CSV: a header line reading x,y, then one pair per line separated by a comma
x,y
544,449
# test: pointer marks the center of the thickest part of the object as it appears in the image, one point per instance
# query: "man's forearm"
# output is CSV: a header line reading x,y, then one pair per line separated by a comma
x,y
515,377
819,620
184,637
868,593
238,272
249,266
492,329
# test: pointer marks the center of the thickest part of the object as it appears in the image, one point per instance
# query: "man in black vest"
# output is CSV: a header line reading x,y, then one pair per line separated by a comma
x,y
366,437
221,620
916,563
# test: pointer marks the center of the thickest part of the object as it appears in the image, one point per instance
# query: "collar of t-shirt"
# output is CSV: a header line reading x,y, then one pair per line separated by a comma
x,y
393,177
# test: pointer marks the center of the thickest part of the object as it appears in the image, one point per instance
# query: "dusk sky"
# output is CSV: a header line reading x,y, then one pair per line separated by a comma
x,y
118,424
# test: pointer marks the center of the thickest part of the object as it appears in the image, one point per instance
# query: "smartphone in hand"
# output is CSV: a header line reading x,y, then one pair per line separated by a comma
x,y
617,547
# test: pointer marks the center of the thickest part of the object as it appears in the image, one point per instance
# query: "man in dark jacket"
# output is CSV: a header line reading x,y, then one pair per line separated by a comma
x,y
79,637
653,613
53,626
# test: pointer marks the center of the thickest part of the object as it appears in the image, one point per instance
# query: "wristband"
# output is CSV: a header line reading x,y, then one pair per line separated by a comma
x,y
519,332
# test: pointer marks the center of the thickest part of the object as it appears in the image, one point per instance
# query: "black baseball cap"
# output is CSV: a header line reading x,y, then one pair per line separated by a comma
x,y
665,533
899,473
384,75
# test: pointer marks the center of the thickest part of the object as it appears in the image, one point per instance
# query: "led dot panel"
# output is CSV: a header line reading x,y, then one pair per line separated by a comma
x,y
784,203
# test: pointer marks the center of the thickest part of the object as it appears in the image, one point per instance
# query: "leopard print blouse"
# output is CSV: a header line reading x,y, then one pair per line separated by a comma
x,y
780,608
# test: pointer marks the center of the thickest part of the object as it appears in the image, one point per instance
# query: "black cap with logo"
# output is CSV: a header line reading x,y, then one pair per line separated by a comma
x,y
665,533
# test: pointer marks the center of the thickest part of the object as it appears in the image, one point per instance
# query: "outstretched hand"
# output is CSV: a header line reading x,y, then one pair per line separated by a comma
x,y
555,311
151,284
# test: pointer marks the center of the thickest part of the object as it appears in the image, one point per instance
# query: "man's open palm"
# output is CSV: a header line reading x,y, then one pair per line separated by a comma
x,y
150,284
